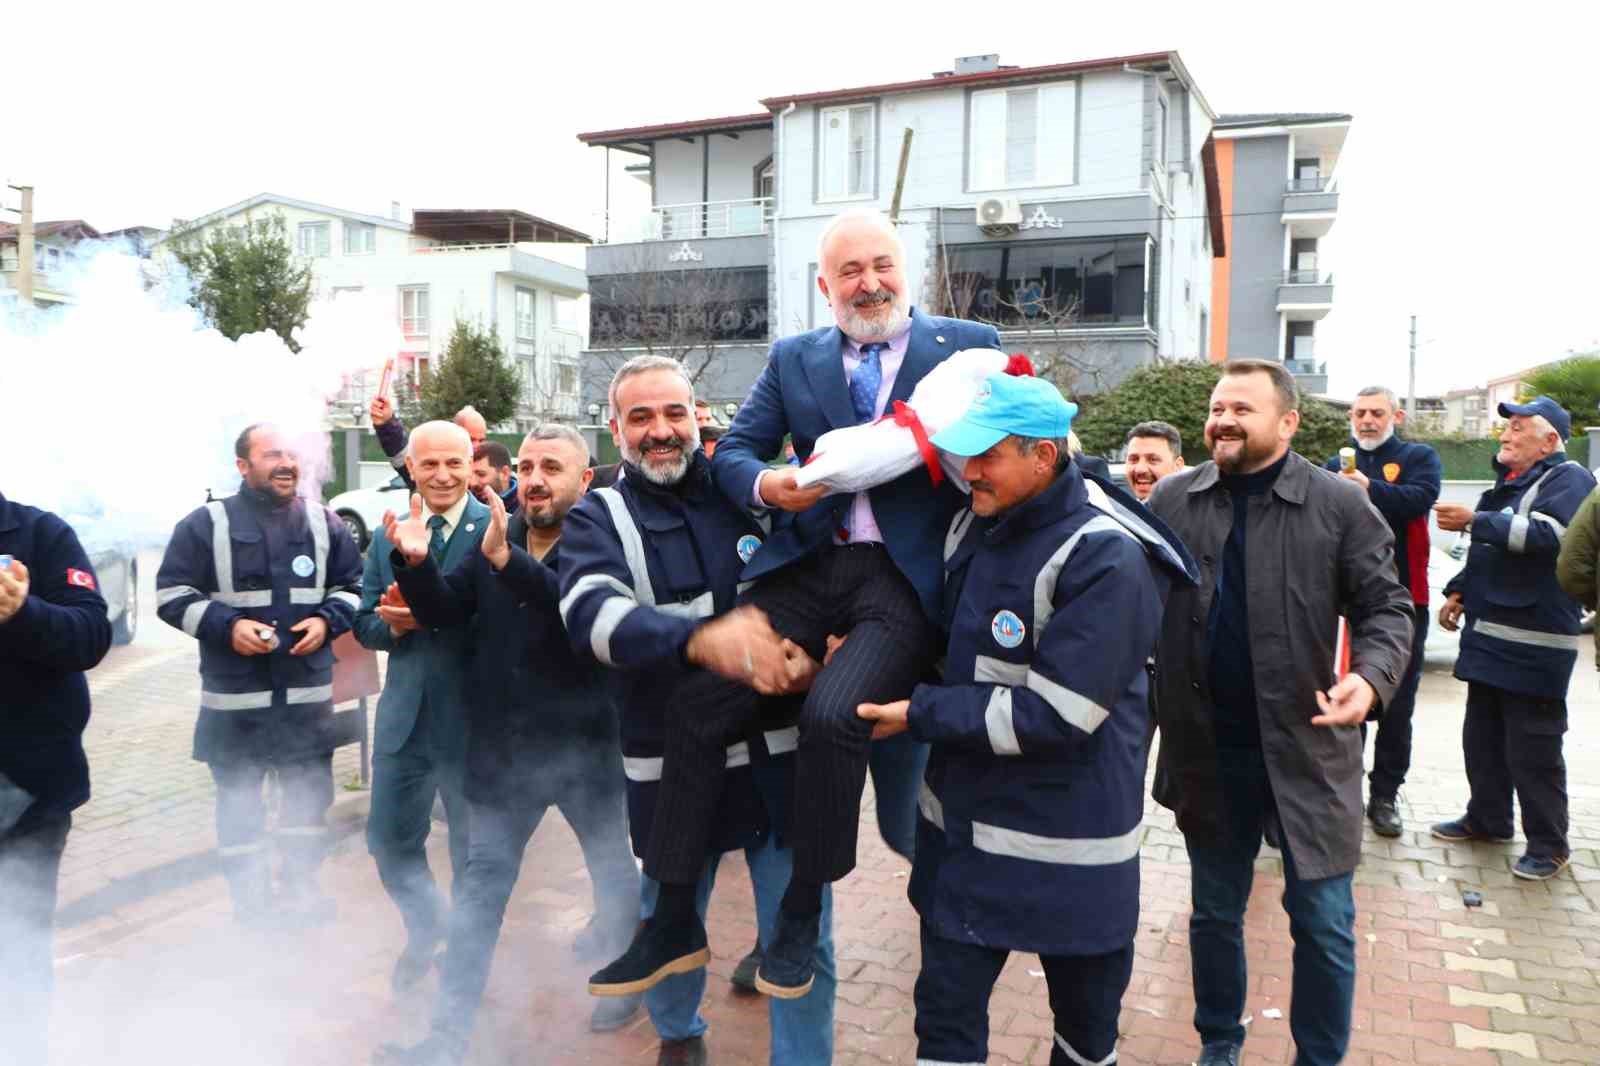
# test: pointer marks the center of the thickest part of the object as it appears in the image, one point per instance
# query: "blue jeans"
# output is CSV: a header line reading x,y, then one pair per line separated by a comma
x,y
897,765
1322,916
802,1029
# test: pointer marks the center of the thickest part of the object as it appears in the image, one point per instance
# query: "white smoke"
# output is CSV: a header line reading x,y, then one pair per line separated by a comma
x,y
121,409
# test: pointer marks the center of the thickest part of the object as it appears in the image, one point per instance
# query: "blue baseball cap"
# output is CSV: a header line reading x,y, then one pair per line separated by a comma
x,y
1007,406
1553,413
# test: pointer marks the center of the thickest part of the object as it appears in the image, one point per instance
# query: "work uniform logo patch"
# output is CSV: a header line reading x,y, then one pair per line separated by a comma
x,y
1008,629
303,566
1391,472
747,547
81,578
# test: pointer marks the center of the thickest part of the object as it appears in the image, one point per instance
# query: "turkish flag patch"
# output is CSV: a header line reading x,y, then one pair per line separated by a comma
x,y
81,578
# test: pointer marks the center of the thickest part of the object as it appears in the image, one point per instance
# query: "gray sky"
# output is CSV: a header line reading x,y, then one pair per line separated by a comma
x,y
1466,181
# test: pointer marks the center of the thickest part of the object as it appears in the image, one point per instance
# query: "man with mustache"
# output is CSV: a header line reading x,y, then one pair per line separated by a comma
x,y
265,580
868,567
419,736
539,731
492,475
1402,479
650,574
1258,730
1155,449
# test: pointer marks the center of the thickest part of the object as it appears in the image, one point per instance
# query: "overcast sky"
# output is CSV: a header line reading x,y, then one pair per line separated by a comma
x,y
1467,181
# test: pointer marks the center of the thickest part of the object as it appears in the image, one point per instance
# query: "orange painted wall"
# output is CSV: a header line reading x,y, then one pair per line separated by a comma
x,y
1221,268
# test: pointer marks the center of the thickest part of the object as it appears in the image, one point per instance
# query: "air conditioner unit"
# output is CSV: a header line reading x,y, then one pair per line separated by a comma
x,y
999,216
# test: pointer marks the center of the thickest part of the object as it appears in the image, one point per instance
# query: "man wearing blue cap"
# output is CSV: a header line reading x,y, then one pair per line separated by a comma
x,y
1520,639
1028,838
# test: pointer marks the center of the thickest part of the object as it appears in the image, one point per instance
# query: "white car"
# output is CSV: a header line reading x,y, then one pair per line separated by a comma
x,y
362,509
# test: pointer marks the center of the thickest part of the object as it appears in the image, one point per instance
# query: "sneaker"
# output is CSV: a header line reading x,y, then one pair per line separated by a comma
x,y
1539,867
437,1050
657,952
1384,816
744,974
1463,829
612,1014
786,968
690,1052
1218,1053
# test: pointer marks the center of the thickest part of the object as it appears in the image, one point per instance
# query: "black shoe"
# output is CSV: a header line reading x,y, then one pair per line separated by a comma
x,y
786,968
412,965
690,1052
612,1014
658,951
744,974
1463,829
1218,1053
1384,816
437,1050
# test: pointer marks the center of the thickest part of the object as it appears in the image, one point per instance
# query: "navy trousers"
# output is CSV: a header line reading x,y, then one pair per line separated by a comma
x,y
1513,745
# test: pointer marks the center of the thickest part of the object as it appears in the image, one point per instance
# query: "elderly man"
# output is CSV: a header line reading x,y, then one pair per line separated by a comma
x,y
866,566
392,434
1520,639
1402,479
1155,449
1258,730
539,732
1040,733
419,738
264,581
649,576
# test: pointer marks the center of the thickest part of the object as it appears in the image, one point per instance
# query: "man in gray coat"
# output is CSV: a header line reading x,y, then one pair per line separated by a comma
x,y
1259,731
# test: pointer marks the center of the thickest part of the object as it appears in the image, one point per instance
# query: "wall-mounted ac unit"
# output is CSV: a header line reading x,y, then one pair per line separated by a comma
x,y
999,216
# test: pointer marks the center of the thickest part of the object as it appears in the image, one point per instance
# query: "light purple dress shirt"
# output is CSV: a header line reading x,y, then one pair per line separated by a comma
x,y
860,525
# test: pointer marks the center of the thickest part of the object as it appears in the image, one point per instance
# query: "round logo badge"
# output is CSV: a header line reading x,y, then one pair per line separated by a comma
x,y
1391,472
1008,629
303,566
747,547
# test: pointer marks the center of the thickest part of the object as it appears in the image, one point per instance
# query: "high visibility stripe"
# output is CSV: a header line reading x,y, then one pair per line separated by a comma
x,y
641,768
780,741
987,670
317,519
306,595
930,806
255,598
738,755
1561,530
1527,636
587,583
349,598
222,550
958,532
175,592
945,1062
1074,709
302,830
192,616
702,606
235,701
1044,585
997,718
742,587
1134,522
314,694
1517,536
632,544
1077,1059
1057,851
606,621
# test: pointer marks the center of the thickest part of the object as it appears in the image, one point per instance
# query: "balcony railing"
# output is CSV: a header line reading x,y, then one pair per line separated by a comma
x,y
1306,277
1305,367
676,222
1318,183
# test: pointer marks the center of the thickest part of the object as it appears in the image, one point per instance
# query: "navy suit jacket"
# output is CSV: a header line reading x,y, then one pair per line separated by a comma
x,y
802,393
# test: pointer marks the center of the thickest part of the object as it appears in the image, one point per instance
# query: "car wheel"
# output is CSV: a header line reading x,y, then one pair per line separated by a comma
x,y
126,627
357,528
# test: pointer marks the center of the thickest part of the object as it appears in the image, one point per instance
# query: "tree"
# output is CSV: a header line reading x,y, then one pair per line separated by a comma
x,y
1574,383
1180,393
246,278
473,371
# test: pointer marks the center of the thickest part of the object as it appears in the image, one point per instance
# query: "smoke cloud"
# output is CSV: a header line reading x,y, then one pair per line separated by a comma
x,y
121,409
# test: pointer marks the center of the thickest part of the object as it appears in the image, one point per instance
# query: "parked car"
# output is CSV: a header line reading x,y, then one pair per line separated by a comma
x,y
362,509
116,568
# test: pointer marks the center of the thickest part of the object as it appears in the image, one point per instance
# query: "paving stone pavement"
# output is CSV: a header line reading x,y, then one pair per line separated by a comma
x,y
151,970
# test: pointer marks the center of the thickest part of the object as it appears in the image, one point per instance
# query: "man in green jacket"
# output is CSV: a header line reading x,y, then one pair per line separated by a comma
x,y
1578,565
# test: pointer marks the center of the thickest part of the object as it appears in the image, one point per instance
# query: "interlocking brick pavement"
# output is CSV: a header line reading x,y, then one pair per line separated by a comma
x,y
163,978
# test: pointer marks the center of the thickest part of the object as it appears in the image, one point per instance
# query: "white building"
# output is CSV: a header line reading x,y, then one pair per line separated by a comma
x,y
509,271
1074,205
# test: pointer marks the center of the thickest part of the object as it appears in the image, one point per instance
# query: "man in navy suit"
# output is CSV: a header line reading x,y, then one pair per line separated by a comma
x,y
867,567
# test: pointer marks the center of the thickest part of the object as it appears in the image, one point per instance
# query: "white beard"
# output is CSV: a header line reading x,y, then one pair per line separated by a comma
x,y
1373,445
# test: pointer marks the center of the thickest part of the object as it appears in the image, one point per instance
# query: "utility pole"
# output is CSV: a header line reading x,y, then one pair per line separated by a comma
x,y
900,178
1411,386
25,248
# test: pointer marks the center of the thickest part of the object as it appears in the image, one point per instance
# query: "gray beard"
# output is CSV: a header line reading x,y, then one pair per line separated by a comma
x,y
670,476
1374,445
864,331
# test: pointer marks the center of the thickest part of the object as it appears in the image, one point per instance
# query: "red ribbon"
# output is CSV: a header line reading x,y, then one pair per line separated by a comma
x,y
905,416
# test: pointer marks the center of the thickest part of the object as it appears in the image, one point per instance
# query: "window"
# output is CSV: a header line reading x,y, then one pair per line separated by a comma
x,y
1023,136
525,314
1302,341
678,307
566,379
314,239
846,169
566,315
1078,282
360,238
1205,334
765,182
414,310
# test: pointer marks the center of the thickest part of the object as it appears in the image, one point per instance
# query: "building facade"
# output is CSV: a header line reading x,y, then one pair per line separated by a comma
x,y
55,252
1279,181
1074,206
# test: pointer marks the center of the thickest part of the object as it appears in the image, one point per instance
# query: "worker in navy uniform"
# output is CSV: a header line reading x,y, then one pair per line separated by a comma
x,y
1030,811
649,577
419,740
1402,479
53,628
1520,640
265,580
539,730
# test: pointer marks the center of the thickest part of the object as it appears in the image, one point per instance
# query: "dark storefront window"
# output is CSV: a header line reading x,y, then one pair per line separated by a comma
x,y
1099,282
672,306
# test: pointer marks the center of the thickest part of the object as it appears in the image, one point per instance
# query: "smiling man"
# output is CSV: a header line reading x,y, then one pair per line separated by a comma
x,y
1155,449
